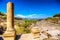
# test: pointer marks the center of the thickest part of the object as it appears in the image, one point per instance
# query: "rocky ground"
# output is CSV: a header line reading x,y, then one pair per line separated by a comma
x,y
50,26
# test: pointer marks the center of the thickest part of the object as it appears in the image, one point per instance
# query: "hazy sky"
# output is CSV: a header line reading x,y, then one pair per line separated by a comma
x,y
32,8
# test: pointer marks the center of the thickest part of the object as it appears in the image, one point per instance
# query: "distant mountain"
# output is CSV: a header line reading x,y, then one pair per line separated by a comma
x,y
48,22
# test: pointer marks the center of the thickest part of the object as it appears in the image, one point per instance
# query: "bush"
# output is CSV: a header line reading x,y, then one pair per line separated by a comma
x,y
24,27
57,15
27,23
4,17
19,30
48,18
2,14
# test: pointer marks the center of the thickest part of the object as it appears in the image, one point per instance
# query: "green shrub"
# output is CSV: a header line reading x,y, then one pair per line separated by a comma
x,y
57,15
4,17
24,27
19,30
2,14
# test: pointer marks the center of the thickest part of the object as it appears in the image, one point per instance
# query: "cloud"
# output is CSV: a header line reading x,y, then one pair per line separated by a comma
x,y
21,16
37,16
26,16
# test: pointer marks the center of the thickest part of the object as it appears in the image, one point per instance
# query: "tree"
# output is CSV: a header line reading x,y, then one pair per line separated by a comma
x,y
2,14
57,15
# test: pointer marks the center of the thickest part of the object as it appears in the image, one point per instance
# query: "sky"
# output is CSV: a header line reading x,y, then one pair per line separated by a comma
x,y
32,8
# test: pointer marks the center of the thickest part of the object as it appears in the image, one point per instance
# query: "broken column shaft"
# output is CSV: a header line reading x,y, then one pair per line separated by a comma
x,y
10,32
10,16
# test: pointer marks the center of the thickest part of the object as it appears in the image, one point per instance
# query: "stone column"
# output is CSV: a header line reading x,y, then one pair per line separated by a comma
x,y
10,32
35,31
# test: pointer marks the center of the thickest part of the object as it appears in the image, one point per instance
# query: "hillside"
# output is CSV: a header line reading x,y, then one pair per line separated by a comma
x,y
23,26
20,24
3,22
49,23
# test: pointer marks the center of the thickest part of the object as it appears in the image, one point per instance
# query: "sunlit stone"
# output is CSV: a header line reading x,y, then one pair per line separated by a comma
x,y
10,33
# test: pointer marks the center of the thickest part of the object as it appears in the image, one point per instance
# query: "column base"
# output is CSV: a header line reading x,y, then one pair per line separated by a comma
x,y
9,35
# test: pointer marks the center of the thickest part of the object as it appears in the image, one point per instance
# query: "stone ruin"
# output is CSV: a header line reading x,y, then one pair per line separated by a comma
x,y
34,35
10,33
